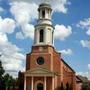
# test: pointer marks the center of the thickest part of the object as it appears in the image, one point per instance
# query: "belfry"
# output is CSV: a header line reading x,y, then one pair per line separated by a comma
x,y
45,69
44,28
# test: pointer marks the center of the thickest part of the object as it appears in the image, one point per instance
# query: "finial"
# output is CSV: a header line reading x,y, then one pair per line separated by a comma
x,y
46,1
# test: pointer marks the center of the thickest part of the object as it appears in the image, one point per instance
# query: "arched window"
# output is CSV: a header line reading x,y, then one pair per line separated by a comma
x,y
41,39
43,14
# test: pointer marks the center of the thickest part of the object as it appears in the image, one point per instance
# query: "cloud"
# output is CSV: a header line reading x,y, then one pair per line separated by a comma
x,y
88,66
19,35
66,52
1,9
3,38
85,43
62,32
11,55
24,12
7,25
27,32
85,74
58,6
85,24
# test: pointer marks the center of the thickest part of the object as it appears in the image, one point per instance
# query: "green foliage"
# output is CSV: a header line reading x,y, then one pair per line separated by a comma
x,y
21,80
2,71
85,87
67,87
9,81
60,87
5,79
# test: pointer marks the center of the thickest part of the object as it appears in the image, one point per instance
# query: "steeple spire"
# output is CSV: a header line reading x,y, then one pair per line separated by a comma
x,y
44,30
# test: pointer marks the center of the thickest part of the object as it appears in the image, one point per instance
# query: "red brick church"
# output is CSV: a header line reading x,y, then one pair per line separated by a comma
x,y
45,68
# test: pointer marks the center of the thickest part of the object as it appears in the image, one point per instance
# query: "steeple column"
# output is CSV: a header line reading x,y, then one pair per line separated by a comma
x,y
45,34
45,83
43,29
32,83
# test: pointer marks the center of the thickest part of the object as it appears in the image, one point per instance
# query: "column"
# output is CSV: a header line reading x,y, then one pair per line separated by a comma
x,y
45,36
45,83
32,83
24,82
52,83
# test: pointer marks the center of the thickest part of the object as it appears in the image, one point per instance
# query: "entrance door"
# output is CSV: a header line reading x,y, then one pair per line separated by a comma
x,y
40,86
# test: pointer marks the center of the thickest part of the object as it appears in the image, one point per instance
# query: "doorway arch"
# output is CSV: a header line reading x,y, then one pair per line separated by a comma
x,y
39,85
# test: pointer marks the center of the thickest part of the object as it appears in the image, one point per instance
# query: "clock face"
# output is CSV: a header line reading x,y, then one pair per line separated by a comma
x,y
40,61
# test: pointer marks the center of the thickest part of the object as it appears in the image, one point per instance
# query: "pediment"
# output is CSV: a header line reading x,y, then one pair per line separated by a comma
x,y
39,72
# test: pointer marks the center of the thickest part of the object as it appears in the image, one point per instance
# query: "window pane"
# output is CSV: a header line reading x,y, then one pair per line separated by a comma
x,y
41,35
43,14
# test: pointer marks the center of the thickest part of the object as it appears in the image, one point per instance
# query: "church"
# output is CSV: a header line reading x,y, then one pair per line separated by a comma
x,y
45,68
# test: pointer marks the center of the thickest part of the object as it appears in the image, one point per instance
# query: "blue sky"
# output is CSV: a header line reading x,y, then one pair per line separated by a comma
x,y
71,19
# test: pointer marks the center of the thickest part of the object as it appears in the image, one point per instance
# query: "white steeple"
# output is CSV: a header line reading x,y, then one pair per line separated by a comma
x,y
44,30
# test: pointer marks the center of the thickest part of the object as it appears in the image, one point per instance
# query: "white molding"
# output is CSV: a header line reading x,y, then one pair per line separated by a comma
x,y
39,81
45,84
52,83
24,82
41,53
32,83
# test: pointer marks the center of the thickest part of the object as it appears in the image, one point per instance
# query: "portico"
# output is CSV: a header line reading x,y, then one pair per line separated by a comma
x,y
38,79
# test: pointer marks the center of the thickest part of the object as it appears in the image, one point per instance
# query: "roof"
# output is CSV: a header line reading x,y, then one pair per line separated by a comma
x,y
45,4
84,79
78,79
67,65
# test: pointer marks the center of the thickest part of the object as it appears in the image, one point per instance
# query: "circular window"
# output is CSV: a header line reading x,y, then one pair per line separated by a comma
x,y
40,60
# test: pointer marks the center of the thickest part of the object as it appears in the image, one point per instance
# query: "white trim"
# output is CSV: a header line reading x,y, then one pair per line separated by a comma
x,y
52,83
45,83
25,83
35,88
51,62
55,81
32,83
41,53
61,71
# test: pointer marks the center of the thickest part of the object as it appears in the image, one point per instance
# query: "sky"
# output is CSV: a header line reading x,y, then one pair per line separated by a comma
x,y
71,19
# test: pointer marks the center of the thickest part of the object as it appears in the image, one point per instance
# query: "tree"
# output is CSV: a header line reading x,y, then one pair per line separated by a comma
x,y
68,87
5,79
21,80
60,87
8,80
2,71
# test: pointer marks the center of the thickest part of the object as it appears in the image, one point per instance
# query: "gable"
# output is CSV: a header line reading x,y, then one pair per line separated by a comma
x,y
39,72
